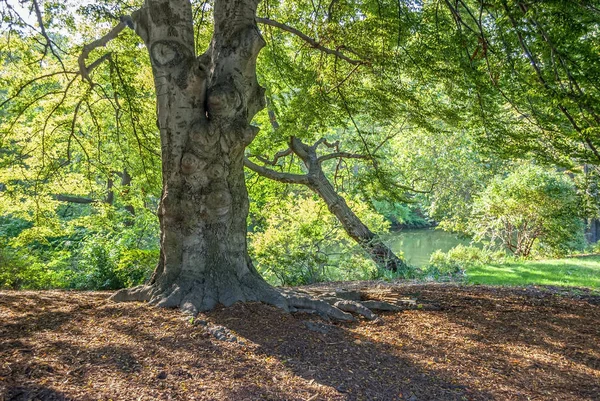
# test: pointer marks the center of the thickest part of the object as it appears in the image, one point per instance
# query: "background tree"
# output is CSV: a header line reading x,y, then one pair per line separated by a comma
x,y
529,206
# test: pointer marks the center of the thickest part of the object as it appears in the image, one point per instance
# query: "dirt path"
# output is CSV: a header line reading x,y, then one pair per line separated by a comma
x,y
479,343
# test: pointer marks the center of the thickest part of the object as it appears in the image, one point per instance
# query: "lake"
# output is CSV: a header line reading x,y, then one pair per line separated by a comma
x,y
418,245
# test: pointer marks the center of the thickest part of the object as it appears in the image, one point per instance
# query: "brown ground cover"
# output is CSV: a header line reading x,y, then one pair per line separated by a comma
x,y
468,343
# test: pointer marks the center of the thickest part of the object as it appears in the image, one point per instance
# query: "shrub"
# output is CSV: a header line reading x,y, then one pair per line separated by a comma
x,y
96,267
458,259
531,208
305,244
135,265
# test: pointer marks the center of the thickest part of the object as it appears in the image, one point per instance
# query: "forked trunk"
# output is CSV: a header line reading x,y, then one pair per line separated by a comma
x,y
205,105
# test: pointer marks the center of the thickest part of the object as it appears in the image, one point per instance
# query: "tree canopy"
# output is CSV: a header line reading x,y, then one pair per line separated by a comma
x,y
417,104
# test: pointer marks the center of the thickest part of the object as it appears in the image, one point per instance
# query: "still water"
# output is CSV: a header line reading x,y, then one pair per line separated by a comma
x,y
418,245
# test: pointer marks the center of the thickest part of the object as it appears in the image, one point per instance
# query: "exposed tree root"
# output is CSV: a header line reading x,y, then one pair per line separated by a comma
x,y
356,307
323,308
334,305
381,306
196,296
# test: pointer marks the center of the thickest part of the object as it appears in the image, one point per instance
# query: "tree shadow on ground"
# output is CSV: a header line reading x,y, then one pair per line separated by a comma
x,y
534,341
355,365
31,316
482,343
34,392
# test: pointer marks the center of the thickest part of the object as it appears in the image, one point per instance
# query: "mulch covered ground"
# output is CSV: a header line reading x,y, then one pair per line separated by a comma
x,y
467,343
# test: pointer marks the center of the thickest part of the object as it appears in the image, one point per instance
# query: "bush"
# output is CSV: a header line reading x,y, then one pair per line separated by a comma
x,y
19,266
104,263
20,269
96,267
135,265
530,209
458,259
305,243
92,253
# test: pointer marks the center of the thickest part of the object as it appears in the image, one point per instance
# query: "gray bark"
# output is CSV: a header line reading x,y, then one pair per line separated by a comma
x,y
592,231
110,193
205,105
125,185
316,180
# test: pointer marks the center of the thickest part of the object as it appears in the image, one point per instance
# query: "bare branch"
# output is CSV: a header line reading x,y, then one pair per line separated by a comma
x,y
278,155
18,92
310,40
411,188
276,175
323,141
95,44
343,80
341,155
99,61
49,42
273,119
391,135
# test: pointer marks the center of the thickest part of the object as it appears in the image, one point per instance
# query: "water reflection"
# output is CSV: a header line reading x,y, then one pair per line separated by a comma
x,y
418,245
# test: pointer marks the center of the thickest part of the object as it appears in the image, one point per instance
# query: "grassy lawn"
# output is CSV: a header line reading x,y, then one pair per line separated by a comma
x,y
571,272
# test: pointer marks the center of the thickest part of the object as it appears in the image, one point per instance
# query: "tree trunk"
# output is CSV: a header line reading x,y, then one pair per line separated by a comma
x,y
205,105
125,185
592,230
383,256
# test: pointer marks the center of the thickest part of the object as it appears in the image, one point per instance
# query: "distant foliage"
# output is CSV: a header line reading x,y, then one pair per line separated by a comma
x,y
95,251
304,243
402,215
530,209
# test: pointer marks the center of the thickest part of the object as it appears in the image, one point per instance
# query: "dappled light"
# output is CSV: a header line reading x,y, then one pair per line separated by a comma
x,y
481,344
299,200
576,272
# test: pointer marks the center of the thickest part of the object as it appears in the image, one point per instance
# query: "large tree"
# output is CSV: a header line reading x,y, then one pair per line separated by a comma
x,y
205,106
206,103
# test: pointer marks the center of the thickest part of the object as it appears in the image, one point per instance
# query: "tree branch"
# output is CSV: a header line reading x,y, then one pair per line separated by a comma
x,y
49,42
276,175
310,40
323,141
342,155
74,199
278,155
95,44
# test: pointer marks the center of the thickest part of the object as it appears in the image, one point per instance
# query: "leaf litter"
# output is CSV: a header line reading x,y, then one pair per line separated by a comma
x,y
474,343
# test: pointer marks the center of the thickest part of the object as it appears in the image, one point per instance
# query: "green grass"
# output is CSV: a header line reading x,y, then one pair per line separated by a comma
x,y
571,272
